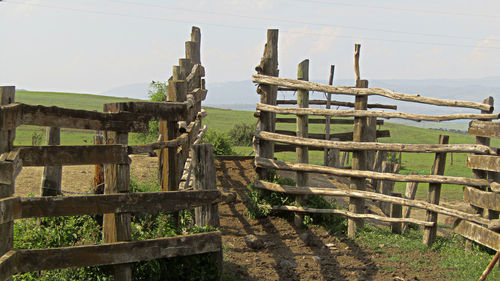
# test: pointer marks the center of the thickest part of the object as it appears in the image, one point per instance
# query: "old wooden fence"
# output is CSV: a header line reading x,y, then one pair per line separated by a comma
x,y
180,119
481,191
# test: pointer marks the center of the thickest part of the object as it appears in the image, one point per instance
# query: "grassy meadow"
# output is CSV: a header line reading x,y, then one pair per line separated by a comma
x,y
223,120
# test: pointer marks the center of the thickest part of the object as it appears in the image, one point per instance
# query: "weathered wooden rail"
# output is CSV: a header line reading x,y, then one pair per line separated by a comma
x,y
480,191
180,117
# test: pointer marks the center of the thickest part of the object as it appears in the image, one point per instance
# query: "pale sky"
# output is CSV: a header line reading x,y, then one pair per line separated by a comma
x,y
94,45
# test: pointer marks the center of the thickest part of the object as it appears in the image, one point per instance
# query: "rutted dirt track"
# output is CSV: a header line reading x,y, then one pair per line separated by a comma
x,y
285,255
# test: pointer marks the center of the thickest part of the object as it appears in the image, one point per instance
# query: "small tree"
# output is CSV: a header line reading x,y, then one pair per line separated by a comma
x,y
157,92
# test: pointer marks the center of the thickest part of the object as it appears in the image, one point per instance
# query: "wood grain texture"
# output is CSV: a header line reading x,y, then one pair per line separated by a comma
x,y
288,166
312,86
338,103
351,145
478,234
366,113
52,155
484,128
371,196
117,253
322,121
483,199
484,162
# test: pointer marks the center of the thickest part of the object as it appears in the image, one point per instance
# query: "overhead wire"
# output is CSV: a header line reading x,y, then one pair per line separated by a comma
x,y
243,27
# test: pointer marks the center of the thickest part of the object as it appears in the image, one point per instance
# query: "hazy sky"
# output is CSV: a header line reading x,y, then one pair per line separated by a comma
x,y
94,45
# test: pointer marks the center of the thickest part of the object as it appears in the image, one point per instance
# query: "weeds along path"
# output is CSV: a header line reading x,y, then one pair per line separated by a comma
x,y
285,255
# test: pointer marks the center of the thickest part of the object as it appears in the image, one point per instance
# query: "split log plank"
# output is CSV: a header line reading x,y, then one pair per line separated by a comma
x,y
8,263
53,206
350,146
483,199
366,113
371,196
339,103
347,136
484,128
117,253
323,121
484,162
169,110
288,166
478,234
347,214
60,155
312,86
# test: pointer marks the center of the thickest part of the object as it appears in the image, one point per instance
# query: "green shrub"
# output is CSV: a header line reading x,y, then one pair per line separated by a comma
x,y
83,230
157,92
220,142
242,134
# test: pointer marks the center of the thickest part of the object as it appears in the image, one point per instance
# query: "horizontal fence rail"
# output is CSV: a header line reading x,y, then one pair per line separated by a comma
x,y
20,261
366,113
288,166
339,103
399,147
312,86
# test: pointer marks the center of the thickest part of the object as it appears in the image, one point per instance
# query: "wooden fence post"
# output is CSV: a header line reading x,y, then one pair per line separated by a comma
x,y
268,94
117,227
434,193
98,185
396,212
302,152
481,174
204,178
331,156
52,175
7,96
411,191
356,205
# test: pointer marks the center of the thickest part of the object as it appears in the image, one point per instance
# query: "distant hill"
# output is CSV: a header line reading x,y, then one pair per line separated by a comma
x,y
241,95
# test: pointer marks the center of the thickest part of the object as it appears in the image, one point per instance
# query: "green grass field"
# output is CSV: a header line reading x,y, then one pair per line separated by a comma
x,y
223,120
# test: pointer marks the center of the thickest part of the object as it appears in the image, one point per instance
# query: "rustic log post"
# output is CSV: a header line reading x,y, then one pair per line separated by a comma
x,y
302,152
396,212
204,178
356,205
435,192
52,175
7,96
98,185
268,94
331,156
481,174
411,191
193,47
386,187
116,227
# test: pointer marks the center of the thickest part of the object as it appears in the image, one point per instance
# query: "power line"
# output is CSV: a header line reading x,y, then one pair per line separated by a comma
x,y
244,27
400,9
274,19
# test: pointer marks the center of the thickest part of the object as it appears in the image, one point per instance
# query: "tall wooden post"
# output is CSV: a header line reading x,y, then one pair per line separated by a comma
x,y
204,178
434,193
481,174
7,96
116,227
356,205
303,132
268,94
52,175
331,156
98,185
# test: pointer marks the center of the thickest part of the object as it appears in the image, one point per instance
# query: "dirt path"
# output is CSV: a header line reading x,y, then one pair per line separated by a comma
x,y
285,255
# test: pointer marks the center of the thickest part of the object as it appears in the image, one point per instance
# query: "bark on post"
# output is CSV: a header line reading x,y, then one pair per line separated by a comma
x,y
98,185
302,152
396,212
434,193
356,205
116,227
52,175
331,156
268,94
204,178
7,96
